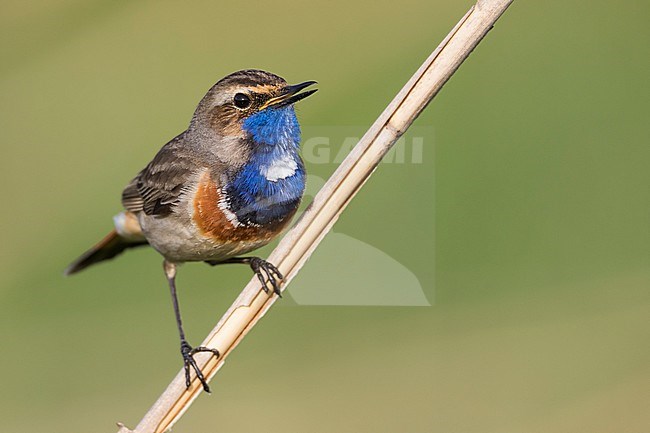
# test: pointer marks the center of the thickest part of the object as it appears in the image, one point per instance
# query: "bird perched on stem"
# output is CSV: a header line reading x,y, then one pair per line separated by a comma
x,y
226,186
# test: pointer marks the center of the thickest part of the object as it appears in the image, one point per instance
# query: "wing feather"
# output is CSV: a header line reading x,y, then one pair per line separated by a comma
x,y
158,188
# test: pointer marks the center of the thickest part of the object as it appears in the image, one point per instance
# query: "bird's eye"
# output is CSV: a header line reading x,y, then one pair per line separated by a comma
x,y
242,100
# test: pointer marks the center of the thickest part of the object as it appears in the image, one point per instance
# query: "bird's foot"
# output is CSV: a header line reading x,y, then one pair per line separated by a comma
x,y
188,353
265,270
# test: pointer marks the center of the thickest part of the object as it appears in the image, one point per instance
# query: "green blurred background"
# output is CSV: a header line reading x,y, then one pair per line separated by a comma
x,y
527,224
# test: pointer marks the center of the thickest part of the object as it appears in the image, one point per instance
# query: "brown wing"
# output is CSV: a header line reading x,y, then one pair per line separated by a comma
x,y
157,189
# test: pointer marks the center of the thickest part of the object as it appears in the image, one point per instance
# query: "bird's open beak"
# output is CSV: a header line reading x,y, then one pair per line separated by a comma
x,y
290,95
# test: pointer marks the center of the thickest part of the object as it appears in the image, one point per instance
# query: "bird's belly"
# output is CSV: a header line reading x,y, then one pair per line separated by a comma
x,y
182,242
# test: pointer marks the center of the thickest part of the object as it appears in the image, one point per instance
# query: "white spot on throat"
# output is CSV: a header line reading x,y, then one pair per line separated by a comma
x,y
280,168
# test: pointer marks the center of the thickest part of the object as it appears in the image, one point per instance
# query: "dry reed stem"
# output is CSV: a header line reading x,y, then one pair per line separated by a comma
x,y
298,244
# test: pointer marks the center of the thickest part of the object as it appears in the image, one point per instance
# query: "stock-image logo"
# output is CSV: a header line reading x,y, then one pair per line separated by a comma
x,y
345,270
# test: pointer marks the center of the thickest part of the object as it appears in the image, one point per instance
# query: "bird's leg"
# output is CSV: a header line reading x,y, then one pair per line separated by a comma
x,y
263,269
187,351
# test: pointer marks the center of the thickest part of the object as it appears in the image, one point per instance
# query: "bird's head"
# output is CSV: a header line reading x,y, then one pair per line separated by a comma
x,y
250,111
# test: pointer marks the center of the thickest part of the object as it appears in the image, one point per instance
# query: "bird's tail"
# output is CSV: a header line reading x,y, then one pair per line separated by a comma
x,y
113,243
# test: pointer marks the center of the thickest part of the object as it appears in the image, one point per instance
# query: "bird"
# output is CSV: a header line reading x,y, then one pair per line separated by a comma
x,y
227,185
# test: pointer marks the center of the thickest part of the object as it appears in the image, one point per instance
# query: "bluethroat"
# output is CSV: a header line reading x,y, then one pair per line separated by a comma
x,y
226,186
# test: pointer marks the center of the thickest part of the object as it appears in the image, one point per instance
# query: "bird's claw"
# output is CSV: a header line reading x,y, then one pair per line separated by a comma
x,y
188,353
265,270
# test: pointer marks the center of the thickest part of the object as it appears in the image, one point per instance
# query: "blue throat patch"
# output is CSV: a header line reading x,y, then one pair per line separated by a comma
x,y
254,198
